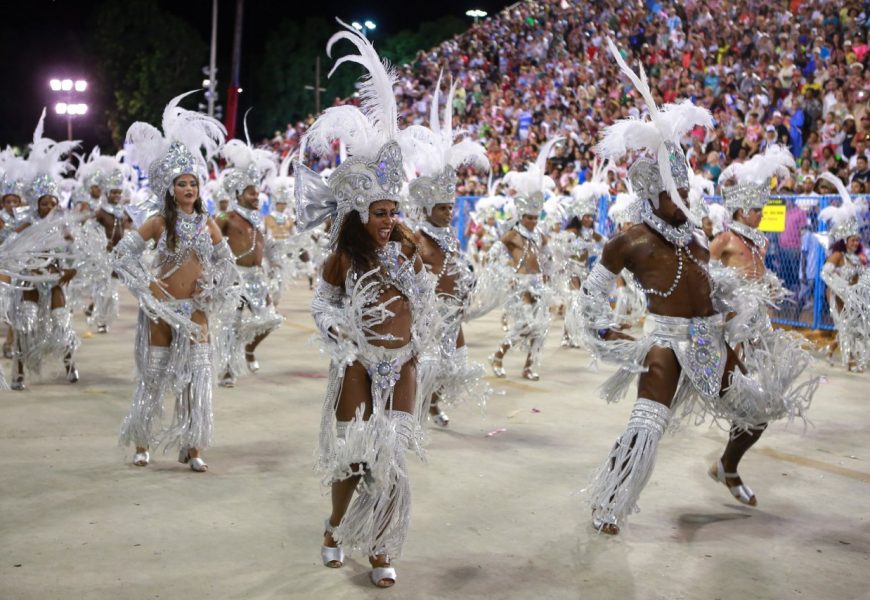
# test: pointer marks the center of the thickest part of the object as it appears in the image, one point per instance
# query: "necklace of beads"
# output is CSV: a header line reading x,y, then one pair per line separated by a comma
x,y
679,237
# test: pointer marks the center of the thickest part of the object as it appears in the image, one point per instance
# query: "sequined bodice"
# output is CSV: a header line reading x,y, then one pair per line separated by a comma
x,y
191,235
851,268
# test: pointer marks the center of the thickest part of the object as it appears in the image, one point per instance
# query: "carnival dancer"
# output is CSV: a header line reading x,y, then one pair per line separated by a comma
x,y
774,358
683,364
585,242
433,193
845,268
192,278
281,226
13,183
484,231
41,318
243,228
110,176
374,308
630,305
524,249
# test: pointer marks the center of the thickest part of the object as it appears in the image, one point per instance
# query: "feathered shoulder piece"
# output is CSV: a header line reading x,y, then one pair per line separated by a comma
x,y
699,187
625,209
530,186
48,161
662,165
188,140
747,185
437,156
374,167
845,220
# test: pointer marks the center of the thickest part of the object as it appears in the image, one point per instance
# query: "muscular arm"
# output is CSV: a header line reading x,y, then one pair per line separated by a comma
x,y
718,247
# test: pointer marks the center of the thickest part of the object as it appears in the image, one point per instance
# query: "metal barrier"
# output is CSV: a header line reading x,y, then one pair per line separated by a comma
x,y
796,255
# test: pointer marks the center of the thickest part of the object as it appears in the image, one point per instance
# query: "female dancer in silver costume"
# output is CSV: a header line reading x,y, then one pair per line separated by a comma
x,y
374,308
193,276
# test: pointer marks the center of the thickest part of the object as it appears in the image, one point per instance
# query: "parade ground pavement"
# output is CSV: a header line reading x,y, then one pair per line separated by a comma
x,y
497,511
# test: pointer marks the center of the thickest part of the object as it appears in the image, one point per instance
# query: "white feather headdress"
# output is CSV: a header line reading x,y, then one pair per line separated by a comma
x,y
436,156
373,170
187,141
663,169
585,196
281,186
246,165
747,185
845,220
699,187
106,172
719,217
531,185
625,208
15,174
48,161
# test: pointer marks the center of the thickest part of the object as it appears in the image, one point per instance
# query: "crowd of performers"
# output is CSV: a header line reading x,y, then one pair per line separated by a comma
x,y
678,297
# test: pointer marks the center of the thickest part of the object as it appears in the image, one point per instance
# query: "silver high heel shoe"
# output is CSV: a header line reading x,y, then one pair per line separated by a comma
x,y
196,464
379,574
332,556
742,493
605,524
440,418
141,459
498,371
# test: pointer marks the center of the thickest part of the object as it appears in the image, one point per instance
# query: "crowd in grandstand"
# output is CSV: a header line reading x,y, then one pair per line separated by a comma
x,y
791,73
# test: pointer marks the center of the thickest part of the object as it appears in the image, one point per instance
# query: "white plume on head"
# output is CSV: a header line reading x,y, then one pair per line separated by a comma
x,y
46,156
596,186
848,209
776,160
534,178
668,124
625,209
363,130
201,134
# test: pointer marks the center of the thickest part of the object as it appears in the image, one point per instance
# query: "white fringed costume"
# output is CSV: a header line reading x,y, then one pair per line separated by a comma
x,y
184,368
698,343
849,282
776,359
436,158
350,316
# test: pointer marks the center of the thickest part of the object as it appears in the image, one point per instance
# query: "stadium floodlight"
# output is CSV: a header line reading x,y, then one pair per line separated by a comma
x,y
81,85
60,108
475,13
55,85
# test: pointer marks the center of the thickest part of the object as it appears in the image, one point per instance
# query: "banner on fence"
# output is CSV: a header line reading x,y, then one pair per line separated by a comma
x,y
773,217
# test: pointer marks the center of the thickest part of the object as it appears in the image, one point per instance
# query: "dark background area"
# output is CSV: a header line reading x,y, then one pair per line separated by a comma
x,y
137,54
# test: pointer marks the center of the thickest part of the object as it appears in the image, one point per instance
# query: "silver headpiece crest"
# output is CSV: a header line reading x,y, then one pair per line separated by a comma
x,y
374,169
751,179
531,185
665,168
188,139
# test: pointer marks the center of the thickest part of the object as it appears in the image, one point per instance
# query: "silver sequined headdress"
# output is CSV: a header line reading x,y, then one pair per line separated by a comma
x,y
246,166
15,174
48,163
664,168
747,185
106,172
530,186
585,196
188,139
845,220
437,157
374,169
282,186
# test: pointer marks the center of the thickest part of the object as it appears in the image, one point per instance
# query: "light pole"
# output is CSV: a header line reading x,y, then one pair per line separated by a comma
x,y
68,107
363,27
316,87
475,14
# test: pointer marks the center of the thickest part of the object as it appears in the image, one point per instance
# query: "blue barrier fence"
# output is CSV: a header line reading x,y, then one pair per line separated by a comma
x,y
796,255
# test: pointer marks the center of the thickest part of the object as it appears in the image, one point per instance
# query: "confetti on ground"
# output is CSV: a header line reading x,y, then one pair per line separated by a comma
x,y
512,414
496,432
536,410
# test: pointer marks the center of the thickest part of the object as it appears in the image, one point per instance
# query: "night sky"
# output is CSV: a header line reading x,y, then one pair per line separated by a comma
x,y
44,39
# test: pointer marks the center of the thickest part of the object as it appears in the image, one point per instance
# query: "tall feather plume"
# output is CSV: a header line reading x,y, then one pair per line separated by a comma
x,y
378,101
665,125
193,129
